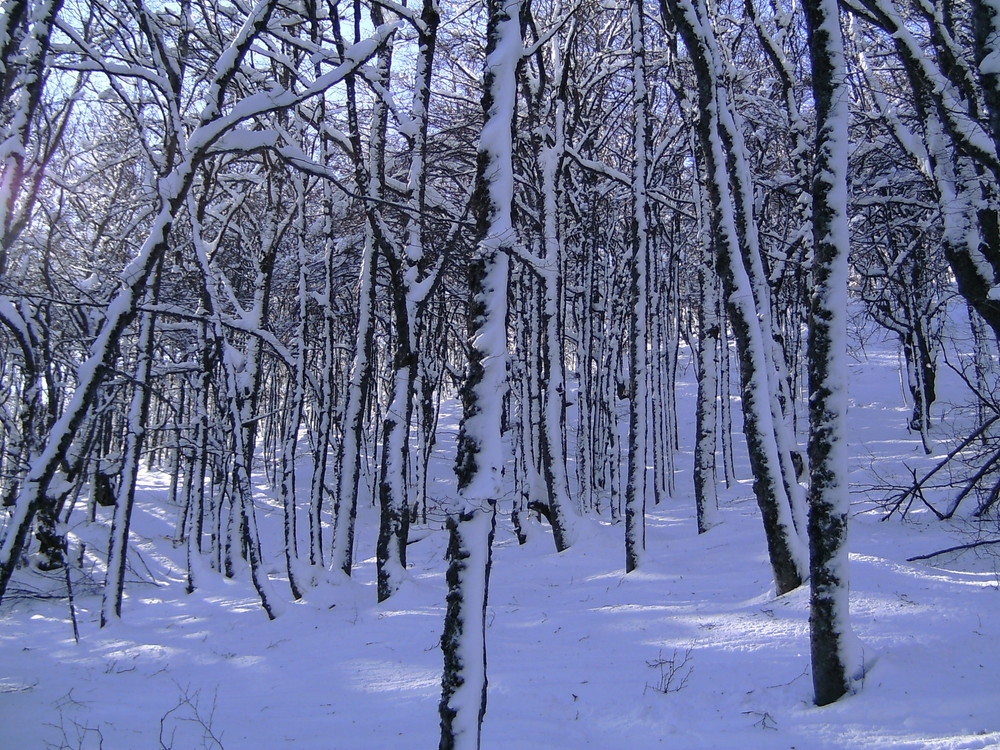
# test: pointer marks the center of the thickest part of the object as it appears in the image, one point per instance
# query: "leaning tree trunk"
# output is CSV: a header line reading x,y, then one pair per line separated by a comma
x,y
33,494
728,188
114,580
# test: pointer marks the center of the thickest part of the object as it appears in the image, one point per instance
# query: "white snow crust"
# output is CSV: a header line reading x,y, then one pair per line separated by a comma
x,y
577,649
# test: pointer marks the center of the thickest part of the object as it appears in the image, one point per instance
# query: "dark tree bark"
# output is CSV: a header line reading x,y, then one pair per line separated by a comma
x,y
114,581
638,430
369,178
480,461
727,178
411,280
829,496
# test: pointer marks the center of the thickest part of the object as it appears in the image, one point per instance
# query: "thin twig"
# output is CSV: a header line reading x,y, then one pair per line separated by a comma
x,y
917,484
983,470
958,548
72,604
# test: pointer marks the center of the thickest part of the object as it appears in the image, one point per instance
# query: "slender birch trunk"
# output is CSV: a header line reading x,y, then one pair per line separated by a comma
x,y
586,396
289,446
198,509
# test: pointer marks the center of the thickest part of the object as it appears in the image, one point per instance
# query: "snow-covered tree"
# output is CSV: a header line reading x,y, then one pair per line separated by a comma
x,y
179,125
833,657
730,189
480,463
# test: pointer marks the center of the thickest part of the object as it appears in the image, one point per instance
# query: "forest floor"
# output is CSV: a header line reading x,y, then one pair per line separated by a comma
x,y
691,651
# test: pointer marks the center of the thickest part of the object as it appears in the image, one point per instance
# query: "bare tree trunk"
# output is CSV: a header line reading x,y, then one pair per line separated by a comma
x,y
829,495
729,191
638,431
563,515
411,283
349,455
199,509
297,397
706,411
114,581
480,461
243,534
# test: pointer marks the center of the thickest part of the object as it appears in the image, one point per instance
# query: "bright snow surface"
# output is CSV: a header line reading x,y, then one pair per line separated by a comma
x,y
577,649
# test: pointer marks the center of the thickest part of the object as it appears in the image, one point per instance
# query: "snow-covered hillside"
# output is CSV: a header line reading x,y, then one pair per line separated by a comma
x,y
691,651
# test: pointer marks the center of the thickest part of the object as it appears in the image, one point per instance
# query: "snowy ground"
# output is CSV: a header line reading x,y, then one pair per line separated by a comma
x,y
693,651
